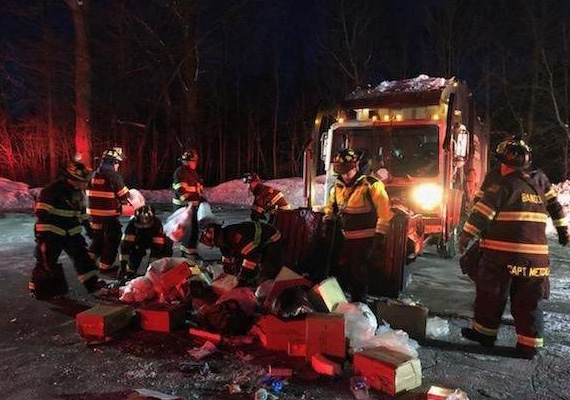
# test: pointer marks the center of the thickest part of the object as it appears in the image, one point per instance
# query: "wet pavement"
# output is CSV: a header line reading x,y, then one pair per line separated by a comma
x,y
42,357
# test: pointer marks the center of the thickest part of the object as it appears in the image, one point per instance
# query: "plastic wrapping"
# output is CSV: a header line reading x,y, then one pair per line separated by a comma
x,y
360,323
457,395
394,340
177,224
136,198
137,290
437,328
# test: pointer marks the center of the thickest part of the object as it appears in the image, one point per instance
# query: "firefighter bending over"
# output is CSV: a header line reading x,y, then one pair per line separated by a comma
x,y
61,215
362,207
188,188
267,200
106,192
143,232
252,250
511,219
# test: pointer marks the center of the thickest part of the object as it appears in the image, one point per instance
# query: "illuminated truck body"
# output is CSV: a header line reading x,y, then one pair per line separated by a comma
x,y
422,139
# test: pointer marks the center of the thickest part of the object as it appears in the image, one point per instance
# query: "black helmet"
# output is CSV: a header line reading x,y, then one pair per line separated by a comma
x,y
344,161
250,177
144,216
516,154
76,171
189,155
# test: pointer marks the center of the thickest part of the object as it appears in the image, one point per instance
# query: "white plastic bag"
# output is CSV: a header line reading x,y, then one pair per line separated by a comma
x,y
360,323
177,224
437,328
394,340
136,198
137,290
458,394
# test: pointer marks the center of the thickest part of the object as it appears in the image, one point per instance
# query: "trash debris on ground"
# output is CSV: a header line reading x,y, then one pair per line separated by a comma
x,y
137,290
201,367
281,372
437,328
234,388
169,277
161,318
224,283
388,371
285,279
404,315
325,366
440,393
359,387
264,289
244,296
292,302
264,394
325,334
395,340
276,334
210,336
103,320
205,350
326,295
176,224
144,394
360,323
227,318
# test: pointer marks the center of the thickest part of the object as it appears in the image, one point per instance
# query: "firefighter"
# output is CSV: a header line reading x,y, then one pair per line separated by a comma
x,y
106,192
511,219
267,200
361,205
143,232
60,210
252,250
188,189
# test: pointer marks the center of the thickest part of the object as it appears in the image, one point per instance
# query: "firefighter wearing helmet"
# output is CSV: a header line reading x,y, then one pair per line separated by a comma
x,y
511,219
267,200
106,193
143,232
61,216
188,189
251,250
359,205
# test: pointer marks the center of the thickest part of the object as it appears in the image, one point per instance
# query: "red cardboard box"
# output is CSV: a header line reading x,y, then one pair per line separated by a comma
x,y
161,318
175,276
103,320
388,371
325,334
279,333
297,348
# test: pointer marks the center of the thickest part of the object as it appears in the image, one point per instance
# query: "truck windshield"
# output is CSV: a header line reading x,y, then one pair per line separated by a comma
x,y
403,151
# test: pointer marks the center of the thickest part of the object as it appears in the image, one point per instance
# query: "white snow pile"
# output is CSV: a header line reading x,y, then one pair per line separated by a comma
x,y
420,83
15,195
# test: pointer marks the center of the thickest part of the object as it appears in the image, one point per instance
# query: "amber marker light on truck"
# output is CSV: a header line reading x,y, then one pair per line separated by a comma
x,y
427,196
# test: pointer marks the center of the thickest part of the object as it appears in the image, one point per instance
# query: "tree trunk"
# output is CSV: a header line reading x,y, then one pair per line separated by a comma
x,y
82,80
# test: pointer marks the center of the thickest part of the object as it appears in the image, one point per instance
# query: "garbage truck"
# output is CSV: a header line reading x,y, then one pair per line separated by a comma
x,y
422,138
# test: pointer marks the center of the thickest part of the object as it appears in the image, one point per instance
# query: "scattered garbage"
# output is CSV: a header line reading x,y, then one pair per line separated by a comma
x,y
325,366
360,323
437,327
177,223
103,321
137,290
227,318
169,277
136,199
141,394
291,302
205,350
441,393
396,340
234,388
202,368
458,394
264,394
326,295
224,283
404,314
244,296
264,289
281,372
359,387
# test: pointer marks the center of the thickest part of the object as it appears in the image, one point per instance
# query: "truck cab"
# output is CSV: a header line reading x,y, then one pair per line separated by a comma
x,y
420,137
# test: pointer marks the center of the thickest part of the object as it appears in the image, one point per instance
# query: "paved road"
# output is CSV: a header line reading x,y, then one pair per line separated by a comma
x,y
41,356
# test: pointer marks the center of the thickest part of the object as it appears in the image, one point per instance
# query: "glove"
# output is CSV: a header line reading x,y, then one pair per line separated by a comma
x,y
563,237
463,241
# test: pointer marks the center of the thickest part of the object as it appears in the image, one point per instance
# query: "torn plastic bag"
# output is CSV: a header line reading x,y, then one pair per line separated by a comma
x,y
137,290
398,341
244,296
177,224
227,318
360,323
291,303
437,328
264,289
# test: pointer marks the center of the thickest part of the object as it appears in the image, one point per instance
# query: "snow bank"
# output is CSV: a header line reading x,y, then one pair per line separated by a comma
x,y
15,195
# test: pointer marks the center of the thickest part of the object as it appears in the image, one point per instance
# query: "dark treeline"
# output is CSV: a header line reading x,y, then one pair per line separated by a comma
x,y
241,80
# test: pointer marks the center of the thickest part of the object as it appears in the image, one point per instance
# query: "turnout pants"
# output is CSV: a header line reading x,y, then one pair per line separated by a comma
x,y
353,268
138,252
494,283
48,278
106,238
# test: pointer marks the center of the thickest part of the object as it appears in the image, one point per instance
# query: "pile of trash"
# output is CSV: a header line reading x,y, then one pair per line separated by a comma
x,y
313,323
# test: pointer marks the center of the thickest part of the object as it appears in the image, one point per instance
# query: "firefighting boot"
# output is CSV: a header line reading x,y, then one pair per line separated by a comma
x,y
526,352
472,334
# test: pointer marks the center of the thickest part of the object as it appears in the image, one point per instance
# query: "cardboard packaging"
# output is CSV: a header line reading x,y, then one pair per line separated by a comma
x,y
325,366
277,334
388,371
175,276
325,334
297,349
103,320
224,284
285,279
326,295
409,318
438,393
161,318
211,336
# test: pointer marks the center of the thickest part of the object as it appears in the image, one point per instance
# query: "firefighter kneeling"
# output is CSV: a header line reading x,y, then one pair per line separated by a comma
x,y
143,232
61,217
511,219
252,250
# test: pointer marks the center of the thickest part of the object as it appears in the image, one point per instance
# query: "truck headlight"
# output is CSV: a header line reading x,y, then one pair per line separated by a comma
x,y
427,196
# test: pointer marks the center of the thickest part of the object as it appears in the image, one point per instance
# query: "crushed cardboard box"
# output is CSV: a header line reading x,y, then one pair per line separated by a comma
x,y
276,334
409,318
326,295
325,366
388,371
325,334
161,318
103,320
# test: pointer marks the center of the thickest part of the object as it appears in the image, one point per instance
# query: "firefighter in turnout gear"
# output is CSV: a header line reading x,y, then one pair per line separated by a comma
x,y
251,250
362,207
60,210
106,192
143,232
188,189
511,219
267,201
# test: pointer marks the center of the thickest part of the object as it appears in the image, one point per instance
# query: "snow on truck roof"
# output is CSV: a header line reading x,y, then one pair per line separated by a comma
x,y
420,90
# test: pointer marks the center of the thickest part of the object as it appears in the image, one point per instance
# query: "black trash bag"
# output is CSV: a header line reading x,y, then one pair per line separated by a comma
x,y
469,261
292,302
227,318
